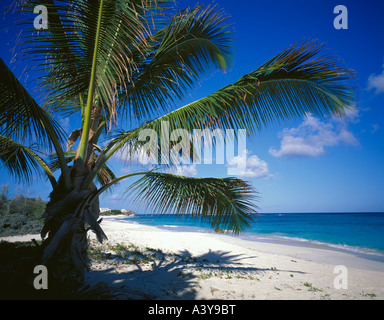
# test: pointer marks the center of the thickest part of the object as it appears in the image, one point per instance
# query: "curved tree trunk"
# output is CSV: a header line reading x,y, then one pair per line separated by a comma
x,y
67,221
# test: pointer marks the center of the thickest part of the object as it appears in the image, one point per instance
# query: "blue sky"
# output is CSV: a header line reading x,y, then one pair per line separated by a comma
x,y
302,165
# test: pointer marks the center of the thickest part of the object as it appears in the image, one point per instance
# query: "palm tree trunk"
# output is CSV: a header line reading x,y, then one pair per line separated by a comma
x,y
64,250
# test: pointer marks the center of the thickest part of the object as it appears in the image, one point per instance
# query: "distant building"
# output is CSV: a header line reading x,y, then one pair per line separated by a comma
x,y
105,210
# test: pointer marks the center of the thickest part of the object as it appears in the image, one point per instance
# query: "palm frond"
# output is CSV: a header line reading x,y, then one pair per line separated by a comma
x,y
53,161
195,42
86,53
293,83
105,175
65,51
21,118
226,203
22,161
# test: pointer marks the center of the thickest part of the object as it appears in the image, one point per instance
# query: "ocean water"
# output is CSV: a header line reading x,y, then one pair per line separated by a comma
x,y
356,232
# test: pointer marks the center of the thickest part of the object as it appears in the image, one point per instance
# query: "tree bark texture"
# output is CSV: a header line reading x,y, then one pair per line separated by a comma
x,y
67,220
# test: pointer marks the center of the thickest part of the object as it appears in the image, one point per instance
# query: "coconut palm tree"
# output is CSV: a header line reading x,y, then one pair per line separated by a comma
x,y
133,61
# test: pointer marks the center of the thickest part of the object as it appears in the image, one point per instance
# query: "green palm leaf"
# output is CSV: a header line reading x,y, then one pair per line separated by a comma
x,y
293,83
20,115
22,161
195,42
23,120
224,203
64,53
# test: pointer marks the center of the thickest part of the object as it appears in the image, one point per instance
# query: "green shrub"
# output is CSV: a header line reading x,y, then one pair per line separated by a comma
x,y
29,206
21,215
18,224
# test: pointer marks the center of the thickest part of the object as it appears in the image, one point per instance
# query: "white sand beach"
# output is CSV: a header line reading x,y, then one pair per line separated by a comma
x,y
192,265
162,264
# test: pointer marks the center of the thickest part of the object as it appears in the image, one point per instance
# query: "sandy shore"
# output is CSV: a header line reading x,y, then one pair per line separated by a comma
x,y
191,265
164,264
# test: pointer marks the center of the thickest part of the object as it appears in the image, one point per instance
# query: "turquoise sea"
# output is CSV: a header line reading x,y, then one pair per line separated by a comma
x,y
355,232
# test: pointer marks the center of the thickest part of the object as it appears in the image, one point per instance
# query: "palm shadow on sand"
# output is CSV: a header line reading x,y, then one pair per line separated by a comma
x,y
170,276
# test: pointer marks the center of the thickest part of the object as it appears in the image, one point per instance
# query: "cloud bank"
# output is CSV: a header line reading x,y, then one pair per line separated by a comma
x,y
250,166
376,82
183,170
312,137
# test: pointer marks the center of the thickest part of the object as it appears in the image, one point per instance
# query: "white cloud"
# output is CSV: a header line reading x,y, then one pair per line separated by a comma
x,y
375,127
351,115
250,166
125,170
376,82
115,196
183,170
65,123
312,137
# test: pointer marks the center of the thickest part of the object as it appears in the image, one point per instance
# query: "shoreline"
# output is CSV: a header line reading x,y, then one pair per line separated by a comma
x,y
228,267
189,265
363,252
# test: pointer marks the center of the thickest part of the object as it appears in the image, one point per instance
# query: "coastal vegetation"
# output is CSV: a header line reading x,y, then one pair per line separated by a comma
x,y
106,63
21,215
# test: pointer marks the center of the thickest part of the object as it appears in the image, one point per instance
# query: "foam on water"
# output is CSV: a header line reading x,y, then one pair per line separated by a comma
x,y
360,233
